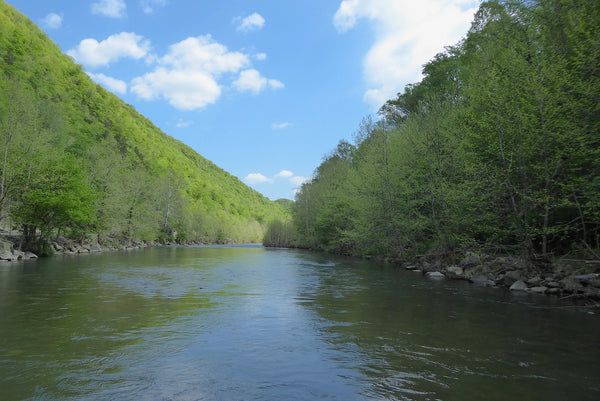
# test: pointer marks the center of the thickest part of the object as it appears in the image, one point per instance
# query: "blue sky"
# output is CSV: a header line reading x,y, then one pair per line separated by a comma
x,y
263,88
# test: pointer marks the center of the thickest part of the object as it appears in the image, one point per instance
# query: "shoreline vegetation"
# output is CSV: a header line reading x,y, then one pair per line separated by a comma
x,y
486,170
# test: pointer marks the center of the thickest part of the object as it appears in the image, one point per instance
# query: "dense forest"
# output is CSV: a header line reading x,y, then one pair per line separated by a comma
x,y
497,149
76,160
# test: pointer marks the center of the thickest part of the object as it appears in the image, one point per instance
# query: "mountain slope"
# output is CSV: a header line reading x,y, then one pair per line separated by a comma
x,y
139,182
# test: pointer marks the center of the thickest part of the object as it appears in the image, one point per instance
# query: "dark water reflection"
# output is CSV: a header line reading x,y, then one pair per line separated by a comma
x,y
247,323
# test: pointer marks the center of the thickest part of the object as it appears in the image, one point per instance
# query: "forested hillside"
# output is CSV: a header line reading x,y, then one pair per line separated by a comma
x,y
77,160
496,149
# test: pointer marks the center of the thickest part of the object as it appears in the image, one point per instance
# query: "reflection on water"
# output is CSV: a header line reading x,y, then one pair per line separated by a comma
x,y
247,323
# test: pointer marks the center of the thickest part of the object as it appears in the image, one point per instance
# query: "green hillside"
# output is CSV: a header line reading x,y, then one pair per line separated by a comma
x,y
77,159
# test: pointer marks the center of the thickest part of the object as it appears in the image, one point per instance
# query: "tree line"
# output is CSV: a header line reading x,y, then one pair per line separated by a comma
x,y
497,148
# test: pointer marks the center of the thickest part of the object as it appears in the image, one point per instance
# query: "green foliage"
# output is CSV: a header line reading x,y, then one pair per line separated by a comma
x,y
281,233
496,147
144,183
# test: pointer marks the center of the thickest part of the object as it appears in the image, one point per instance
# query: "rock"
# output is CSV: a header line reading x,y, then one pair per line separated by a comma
x,y
511,277
454,272
18,254
6,256
6,247
482,280
552,284
518,285
534,280
538,290
435,275
571,284
29,255
470,261
95,248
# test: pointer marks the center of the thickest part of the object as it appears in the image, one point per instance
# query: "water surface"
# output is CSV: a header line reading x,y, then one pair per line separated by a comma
x,y
248,323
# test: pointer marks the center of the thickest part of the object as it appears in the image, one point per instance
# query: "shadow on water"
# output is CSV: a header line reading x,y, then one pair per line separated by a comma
x,y
231,323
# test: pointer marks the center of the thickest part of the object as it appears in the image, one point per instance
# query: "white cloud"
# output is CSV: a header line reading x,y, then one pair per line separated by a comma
x,y
52,21
280,125
251,80
110,8
260,56
92,53
256,178
184,123
284,174
407,35
112,84
252,22
150,6
298,180
187,75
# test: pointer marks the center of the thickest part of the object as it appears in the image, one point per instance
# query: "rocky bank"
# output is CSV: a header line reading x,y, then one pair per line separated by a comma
x,y
566,278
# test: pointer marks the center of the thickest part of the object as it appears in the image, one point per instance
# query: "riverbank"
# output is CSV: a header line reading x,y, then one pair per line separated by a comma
x,y
563,277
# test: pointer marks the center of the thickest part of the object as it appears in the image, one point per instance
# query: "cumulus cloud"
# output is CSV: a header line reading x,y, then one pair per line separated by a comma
x,y
150,6
260,56
256,178
92,53
110,8
284,174
280,125
252,81
52,21
407,35
110,83
253,22
187,76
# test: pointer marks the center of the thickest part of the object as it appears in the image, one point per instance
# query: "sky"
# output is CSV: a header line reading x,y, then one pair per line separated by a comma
x,y
262,88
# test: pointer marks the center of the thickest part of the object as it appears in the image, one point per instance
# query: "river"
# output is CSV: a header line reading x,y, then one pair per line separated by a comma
x,y
249,323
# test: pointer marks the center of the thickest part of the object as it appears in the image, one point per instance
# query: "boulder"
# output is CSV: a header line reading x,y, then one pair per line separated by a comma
x,y
95,248
435,275
538,290
455,272
29,255
511,277
18,255
518,285
571,284
482,280
7,256
470,261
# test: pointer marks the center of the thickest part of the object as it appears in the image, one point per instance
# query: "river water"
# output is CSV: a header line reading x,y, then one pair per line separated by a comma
x,y
248,323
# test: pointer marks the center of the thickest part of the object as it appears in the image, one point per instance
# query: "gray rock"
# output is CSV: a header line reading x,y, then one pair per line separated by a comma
x,y
538,290
511,277
435,275
534,280
518,285
571,284
6,247
470,261
482,280
18,254
7,256
95,248
29,255
455,271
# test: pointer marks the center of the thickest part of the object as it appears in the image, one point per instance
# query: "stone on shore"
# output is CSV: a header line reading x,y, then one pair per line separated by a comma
x,y
435,275
518,285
